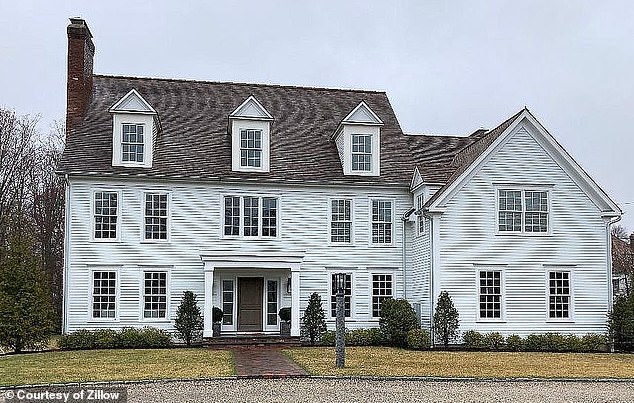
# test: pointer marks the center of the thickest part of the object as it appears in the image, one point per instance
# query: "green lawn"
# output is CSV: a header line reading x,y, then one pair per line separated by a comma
x,y
383,361
110,365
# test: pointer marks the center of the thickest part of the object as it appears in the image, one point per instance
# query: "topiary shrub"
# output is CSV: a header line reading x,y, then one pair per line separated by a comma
x,y
106,338
78,340
472,340
328,338
314,320
285,314
514,343
418,339
397,318
621,323
189,321
493,341
216,314
446,320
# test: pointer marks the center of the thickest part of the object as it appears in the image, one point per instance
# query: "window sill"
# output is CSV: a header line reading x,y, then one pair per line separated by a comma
x,y
563,320
382,245
158,320
490,321
107,240
155,241
526,234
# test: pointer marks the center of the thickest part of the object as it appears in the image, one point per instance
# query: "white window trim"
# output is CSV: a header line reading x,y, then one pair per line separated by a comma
x,y
352,153
522,188
120,118
168,294
92,215
353,311
260,196
420,202
169,216
373,272
571,303
266,327
352,221
234,316
502,270
378,244
237,125
90,318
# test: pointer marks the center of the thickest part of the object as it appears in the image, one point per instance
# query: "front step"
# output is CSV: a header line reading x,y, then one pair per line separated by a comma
x,y
246,341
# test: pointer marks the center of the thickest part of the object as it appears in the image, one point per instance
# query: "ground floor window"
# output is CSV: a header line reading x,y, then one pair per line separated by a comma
x,y
381,290
104,294
271,302
227,302
559,294
155,295
347,294
490,288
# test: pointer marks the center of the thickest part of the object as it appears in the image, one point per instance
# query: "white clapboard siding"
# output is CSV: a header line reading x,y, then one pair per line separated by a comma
x,y
577,241
195,228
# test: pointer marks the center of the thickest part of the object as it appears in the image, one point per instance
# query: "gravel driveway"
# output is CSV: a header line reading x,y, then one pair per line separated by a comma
x,y
376,391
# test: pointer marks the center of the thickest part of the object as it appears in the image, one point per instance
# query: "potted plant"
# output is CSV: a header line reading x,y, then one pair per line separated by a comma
x,y
285,326
216,318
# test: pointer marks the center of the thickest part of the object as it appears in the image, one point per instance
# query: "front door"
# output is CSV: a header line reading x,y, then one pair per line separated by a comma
x,y
250,304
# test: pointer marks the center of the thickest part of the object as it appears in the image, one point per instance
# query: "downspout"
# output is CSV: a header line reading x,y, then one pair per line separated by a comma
x,y
66,254
608,227
431,274
404,219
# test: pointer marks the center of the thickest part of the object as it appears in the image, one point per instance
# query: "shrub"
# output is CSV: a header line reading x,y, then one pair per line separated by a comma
x,y
445,319
216,315
593,342
78,340
189,321
152,337
534,342
328,338
364,337
314,319
493,341
130,337
572,343
514,343
418,339
285,314
472,339
621,323
106,338
397,318
26,314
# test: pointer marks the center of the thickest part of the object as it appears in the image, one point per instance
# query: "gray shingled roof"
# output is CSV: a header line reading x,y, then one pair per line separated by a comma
x,y
194,142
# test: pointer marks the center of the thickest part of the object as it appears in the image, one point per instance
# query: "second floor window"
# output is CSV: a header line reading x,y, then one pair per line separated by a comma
x,y
250,216
340,221
250,148
523,211
382,221
106,215
155,216
132,143
361,152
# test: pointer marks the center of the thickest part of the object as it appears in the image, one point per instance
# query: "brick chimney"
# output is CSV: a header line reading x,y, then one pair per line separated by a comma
x,y
632,242
81,51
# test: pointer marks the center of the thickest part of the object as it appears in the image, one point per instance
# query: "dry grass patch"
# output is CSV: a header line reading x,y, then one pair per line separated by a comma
x,y
113,365
384,361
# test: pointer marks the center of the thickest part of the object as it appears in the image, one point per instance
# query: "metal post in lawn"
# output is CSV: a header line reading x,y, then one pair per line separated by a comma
x,y
340,344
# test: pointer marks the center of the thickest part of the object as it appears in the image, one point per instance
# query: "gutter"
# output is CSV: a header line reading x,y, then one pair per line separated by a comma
x,y
404,219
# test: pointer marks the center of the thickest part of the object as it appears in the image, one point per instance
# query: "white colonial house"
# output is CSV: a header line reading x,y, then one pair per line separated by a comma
x,y
252,196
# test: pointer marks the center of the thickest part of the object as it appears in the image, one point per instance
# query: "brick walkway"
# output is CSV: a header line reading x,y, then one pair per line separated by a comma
x,y
264,362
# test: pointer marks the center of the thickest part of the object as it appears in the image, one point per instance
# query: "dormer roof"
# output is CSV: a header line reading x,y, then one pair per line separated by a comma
x,y
132,102
251,109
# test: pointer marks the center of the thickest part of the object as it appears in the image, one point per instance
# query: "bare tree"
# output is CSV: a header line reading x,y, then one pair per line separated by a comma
x,y
620,232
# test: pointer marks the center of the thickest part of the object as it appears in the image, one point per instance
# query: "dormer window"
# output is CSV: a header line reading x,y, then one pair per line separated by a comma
x,y
250,126
134,126
358,142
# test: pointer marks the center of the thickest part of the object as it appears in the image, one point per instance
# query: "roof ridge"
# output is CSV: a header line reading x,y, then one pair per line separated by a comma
x,y
187,80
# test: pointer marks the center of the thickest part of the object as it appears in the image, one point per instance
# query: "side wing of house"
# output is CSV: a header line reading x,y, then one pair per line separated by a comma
x,y
521,240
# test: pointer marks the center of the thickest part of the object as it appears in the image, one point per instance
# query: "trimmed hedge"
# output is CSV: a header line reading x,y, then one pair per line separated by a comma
x,y
418,339
547,342
147,337
355,337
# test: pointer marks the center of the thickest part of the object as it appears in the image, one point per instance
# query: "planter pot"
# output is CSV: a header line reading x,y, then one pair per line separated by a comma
x,y
285,329
216,329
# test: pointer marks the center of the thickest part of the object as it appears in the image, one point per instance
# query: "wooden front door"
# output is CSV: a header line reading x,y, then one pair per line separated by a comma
x,y
250,304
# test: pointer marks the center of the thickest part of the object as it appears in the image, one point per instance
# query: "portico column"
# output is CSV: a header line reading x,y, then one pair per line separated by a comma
x,y
295,313
209,303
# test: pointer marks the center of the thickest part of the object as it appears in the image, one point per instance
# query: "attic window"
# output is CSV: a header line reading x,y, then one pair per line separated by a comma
x,y
250,148
132,142
250,128
362,152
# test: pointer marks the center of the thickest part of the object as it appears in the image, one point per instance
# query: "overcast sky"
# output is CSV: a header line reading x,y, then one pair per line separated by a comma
x,y
448,66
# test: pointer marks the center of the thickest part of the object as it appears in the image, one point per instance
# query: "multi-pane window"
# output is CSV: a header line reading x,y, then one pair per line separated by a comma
x,y
155,216
250,148
522,211
361,152
559,294
227,302
251,216
347,294
381,221
340,221
132,143
106,215
271,302
490,288
104,294
419,216
155,294
381,290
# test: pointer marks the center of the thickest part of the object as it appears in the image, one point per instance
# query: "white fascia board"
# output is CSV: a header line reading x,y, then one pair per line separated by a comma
x,y
132,92
417,180
362,104
252,99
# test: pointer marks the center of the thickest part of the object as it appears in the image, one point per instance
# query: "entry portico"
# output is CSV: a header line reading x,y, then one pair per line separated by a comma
x,y
251,287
